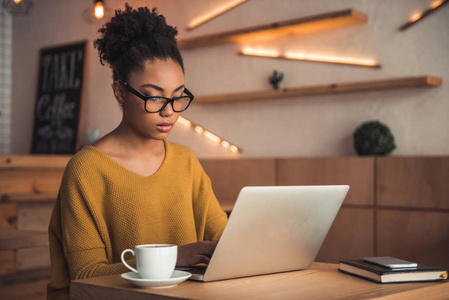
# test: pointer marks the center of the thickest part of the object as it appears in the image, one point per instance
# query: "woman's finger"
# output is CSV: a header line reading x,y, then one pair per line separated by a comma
x,y
203,259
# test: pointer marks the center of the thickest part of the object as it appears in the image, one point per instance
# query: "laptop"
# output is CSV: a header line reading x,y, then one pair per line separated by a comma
x,y
273,229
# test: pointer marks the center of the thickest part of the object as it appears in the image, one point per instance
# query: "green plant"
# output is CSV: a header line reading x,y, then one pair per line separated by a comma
x,y
373,138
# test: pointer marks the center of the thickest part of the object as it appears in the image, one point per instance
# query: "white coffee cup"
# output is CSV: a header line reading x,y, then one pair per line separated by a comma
x,y
153,261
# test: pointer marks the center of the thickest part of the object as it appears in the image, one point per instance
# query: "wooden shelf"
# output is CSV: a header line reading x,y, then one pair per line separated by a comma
x,y
335,88
296,26
423,15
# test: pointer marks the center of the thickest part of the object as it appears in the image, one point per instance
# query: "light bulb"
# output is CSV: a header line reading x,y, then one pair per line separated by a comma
x,y
99,10
199,129
211,136
234,149
184,121
17,7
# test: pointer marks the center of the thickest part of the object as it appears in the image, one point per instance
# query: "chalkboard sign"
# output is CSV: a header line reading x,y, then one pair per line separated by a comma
x,y
58,105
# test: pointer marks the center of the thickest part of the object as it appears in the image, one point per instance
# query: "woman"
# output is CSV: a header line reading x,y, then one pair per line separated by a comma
x,y
132,187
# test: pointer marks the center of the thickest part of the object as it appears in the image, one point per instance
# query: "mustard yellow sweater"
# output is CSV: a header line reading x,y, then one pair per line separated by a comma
x,y
103,208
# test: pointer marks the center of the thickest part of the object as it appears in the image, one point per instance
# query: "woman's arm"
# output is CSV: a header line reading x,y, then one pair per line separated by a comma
x,y
206,206
81,235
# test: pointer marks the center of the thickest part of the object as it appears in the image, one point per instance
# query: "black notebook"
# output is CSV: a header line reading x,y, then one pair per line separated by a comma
x,y
381,274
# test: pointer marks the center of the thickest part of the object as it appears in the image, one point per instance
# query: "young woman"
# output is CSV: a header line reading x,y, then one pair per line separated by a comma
x,y
132,186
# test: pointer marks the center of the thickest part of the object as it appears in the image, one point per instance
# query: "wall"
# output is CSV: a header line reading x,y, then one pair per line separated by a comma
x,y
306,126
5,79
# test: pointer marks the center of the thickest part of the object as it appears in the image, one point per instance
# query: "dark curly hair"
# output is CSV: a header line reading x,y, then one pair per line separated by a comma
x,y
133,36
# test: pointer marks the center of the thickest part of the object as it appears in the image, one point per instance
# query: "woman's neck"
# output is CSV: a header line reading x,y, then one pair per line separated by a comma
x,y
122,142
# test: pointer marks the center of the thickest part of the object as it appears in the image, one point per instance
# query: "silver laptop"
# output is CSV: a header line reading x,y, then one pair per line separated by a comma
x,y
273,229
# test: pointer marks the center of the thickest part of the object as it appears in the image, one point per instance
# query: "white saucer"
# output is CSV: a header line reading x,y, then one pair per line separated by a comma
x,y
176,278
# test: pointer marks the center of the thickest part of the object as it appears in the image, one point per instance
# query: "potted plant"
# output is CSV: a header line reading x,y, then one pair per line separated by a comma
x,y
373,138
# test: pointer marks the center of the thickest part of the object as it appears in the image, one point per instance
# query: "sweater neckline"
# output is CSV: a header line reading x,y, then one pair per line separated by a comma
x,y
113,162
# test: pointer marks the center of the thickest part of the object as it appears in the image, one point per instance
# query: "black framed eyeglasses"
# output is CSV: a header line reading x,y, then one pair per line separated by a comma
x,y
158,103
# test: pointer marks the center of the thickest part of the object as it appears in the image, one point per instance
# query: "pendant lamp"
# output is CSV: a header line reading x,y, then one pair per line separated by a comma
x,y
97,12
18,7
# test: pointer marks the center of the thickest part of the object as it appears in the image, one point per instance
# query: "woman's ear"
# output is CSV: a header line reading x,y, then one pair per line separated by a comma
x,y
119,92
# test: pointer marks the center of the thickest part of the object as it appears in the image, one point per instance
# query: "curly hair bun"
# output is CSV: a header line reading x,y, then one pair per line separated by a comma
x,y
133,36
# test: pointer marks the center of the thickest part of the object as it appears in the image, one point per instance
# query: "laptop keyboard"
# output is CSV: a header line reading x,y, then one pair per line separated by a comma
x,y
194,270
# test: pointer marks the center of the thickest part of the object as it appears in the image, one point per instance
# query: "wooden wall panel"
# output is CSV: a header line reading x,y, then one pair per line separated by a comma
x,y
7,262
8,215
357,172
412,213
417,236
28,188
31,290
13,239
29,181
34,161
33,258
413,182
350,237
34,216
228,177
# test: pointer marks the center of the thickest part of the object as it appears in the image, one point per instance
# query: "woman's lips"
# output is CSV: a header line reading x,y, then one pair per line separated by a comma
x,y
164,127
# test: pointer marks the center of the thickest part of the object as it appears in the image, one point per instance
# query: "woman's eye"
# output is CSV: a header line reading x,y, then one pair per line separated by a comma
x,y
156,99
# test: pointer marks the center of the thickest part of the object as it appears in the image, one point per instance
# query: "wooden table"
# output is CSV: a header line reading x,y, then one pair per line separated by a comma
x,y
320,281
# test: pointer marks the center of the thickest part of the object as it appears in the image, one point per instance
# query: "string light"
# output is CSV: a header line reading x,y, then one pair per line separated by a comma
x,y
310,57
213,14
234,148
199,129
209,135
184,122
212,137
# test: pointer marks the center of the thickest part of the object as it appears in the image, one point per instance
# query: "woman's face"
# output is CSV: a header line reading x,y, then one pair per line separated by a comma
x,y
157,78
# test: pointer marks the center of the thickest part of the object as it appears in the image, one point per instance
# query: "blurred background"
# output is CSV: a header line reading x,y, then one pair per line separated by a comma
x,y
310,125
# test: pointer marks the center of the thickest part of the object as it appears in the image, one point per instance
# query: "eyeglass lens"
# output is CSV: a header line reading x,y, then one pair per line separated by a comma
x,y
178,104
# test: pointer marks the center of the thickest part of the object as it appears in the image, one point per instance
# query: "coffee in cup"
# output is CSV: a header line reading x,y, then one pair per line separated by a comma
x,y
153,261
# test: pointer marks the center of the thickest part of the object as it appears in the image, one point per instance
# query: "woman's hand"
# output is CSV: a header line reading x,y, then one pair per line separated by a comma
x,y
195,253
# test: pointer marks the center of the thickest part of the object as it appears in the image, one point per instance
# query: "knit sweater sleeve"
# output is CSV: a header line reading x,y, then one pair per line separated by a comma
x,y
206,204
83,246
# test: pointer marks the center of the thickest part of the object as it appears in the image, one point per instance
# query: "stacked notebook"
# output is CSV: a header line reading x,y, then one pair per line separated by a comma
x,y
384,274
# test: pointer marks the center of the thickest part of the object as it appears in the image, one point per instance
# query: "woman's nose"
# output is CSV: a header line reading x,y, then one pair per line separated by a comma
x,y
168,110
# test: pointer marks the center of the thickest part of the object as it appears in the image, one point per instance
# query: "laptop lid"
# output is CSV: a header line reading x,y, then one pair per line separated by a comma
x,y
275,229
